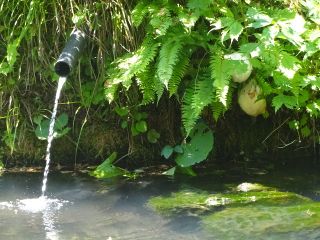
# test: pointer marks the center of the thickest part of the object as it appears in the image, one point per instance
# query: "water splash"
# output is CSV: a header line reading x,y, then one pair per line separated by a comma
x,y
61,82
47,207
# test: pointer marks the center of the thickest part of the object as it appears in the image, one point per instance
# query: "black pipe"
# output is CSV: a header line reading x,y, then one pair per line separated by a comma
x,y
70,54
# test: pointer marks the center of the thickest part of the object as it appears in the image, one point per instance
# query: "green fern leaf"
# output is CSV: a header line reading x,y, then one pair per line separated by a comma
x,y
168,57
131,64
146,82
179,71
220,72
195,99
217,109
161,21
139,12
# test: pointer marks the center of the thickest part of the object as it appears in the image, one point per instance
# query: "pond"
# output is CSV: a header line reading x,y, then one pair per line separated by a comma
x,y
221,205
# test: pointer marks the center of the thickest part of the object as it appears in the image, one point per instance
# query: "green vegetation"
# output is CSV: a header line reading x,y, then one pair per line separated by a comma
x,y
252,222
258,212
191,200
161,74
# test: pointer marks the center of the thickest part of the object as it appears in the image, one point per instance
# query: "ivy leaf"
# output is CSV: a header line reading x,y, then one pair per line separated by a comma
x,y
232,28
167,151
61,121
288,64
141,126
280,100
199,5
252,49
259,19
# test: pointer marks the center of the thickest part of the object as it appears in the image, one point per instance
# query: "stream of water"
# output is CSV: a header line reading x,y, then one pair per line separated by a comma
x,y
61,82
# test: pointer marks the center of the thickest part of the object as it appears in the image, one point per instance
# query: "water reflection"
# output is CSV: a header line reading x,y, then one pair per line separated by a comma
x,y
48,209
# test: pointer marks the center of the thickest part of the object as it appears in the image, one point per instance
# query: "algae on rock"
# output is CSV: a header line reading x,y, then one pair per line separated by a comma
x,y
264,222
204,201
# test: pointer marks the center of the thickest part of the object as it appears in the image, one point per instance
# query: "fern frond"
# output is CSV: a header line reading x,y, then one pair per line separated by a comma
x,y
110,92
220,72
161,20
195,99
168,57
139,12
178,73
218,109
131,64
146,83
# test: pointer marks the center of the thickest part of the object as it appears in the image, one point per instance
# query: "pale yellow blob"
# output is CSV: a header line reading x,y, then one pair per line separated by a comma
x,y
248,99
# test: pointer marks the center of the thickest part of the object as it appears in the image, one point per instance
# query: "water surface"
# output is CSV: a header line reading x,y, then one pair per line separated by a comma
x,y
80,207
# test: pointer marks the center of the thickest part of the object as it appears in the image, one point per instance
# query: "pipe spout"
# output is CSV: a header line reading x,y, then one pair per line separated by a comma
x,y
70,54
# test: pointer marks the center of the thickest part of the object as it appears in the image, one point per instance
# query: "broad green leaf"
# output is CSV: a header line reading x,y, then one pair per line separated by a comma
x,y
186,170
134,131
305,131
252,49
288,65
153,136
107,169
61,132
42,130
141,126
178,149
170,172
235,30
258,18
61,121
167,151
232,28
199,5
198,148
122,111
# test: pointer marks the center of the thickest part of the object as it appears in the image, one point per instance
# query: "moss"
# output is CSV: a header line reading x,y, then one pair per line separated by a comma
x,y
190,199
264,222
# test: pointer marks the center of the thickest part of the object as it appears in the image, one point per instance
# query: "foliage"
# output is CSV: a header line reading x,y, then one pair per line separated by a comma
x,y
142,51
189,199
32,35
107,169
1,166
188,55
137,122
60,129
191,152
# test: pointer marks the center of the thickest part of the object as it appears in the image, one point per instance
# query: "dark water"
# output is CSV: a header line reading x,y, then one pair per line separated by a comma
x,y
86,208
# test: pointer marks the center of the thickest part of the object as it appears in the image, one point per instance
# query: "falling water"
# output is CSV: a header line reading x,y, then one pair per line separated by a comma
x,y
61,82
